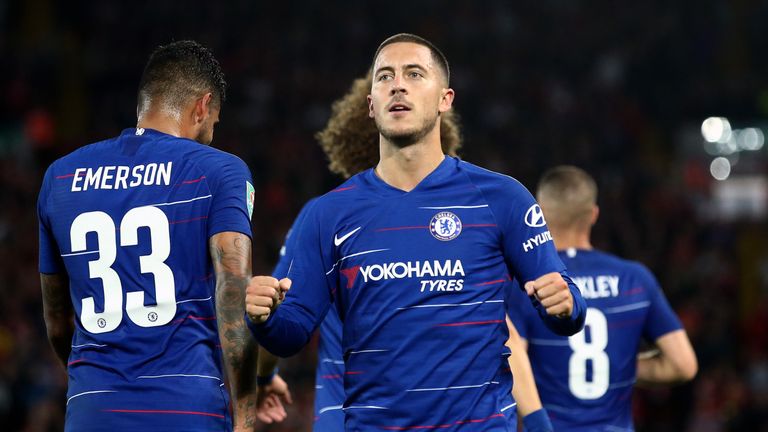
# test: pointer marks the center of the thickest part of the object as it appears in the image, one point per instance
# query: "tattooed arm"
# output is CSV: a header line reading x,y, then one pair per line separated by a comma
x,y
58,314
231,255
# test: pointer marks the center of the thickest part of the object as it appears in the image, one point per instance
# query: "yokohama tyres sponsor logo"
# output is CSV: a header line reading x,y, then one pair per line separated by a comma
x,y
412,269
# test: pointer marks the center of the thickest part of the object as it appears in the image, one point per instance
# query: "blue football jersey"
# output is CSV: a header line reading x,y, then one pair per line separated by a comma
x,y
586,380
417,279
329,374
128,220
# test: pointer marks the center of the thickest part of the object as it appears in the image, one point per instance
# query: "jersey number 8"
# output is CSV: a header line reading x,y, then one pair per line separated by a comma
x,y
592,351
165,291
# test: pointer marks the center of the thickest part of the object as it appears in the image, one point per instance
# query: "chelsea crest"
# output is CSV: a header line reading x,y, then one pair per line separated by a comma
x,y
445,226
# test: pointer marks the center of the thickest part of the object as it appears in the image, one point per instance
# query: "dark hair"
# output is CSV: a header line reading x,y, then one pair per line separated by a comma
x,y
350,140
177,72
437,55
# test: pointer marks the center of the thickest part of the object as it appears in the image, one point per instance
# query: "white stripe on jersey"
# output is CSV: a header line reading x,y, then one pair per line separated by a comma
x,y
329,408
90,392
364,407
455,207
177,375
79,253
454,387
194,300
626,308
367,351
178,202
450,304
328,360
549,342
353,255
508,406
318,387
88,344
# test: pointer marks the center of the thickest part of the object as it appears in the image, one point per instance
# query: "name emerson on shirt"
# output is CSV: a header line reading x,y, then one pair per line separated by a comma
x,y
121,176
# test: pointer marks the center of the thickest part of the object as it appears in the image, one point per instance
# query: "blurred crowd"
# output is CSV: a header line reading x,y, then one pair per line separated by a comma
x,y
603,85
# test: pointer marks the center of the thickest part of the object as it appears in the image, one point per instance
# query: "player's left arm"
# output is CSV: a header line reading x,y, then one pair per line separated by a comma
x,y
58,313
674,360
559,302
231,256
531,255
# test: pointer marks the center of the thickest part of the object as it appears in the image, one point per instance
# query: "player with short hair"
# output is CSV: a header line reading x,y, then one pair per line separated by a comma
x,y
586,380
145,253
415,254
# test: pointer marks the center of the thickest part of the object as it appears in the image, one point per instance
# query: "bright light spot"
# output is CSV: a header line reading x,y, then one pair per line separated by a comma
x,y
720,168
751,139
712,148
728,147
716,129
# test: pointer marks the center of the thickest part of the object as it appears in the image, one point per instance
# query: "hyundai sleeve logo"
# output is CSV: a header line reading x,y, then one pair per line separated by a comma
x,y
534,217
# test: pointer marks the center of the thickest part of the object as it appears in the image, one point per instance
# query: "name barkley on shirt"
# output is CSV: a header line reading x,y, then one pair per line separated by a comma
x,y
121,177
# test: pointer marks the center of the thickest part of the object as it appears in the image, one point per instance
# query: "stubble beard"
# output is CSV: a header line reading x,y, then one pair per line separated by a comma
x,y
402,139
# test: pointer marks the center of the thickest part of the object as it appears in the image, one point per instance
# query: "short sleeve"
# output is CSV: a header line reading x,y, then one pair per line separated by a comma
x,y
50,261
233,197
661,318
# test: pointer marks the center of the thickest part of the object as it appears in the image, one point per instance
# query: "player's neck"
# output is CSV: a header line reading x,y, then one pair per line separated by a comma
x,y
161,123
571,239
405,167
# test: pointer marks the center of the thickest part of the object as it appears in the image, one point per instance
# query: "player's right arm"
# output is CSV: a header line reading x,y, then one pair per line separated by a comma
x,y
231,256
58,313
284,330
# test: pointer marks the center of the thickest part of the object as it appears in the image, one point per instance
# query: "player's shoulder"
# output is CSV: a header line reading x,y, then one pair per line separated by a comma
x,y
349,191
500,190
626,266
210,157
88,152
486,179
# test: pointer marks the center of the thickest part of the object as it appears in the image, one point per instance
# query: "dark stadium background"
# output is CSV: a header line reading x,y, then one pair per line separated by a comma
x,y
618,88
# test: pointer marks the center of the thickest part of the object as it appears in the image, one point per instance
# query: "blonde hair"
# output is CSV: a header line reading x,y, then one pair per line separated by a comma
x,y
567,195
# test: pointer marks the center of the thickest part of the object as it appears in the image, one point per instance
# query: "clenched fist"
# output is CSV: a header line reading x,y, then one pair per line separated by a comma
x,y
263,295
552,292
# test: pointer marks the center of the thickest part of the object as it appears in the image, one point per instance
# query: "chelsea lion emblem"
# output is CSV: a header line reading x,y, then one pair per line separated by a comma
x,y
445,226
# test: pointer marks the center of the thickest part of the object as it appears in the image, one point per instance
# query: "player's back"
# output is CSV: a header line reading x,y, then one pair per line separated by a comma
x,y
130,219
586,380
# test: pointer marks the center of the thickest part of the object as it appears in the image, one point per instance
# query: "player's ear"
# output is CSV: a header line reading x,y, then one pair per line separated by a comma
x,y
202,107
595,214
446,99
370,106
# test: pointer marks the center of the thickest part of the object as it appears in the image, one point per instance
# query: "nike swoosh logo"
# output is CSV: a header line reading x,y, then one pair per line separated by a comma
x,y
339,240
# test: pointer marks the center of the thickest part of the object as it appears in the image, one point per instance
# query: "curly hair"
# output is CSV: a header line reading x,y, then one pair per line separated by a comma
x,y
350,139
